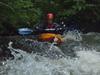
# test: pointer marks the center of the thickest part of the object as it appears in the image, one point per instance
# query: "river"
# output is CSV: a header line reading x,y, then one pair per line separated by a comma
x,y
78,55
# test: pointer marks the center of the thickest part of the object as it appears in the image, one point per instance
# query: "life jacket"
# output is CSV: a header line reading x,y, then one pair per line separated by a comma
x,y
50,26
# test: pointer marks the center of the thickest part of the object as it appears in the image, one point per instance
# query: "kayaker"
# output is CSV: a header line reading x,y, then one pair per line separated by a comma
x,y
50,17
49,25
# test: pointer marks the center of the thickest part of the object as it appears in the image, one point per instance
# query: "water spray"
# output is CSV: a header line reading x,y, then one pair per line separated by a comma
x,y
53,43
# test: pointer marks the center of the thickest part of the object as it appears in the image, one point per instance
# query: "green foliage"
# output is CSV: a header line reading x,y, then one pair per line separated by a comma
x,y
30,12
25,13
21,12
72,7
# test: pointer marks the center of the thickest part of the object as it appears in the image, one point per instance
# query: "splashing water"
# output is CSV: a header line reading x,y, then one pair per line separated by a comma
x,y
73,35
86,62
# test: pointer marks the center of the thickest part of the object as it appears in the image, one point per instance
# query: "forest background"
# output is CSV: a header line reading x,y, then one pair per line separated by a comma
x,y
28,13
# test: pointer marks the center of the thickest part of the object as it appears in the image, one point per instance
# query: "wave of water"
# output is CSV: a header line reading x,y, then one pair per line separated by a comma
x,y
86,61
73,35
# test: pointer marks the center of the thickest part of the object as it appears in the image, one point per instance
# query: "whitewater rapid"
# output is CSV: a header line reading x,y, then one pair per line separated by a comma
x,y
85,62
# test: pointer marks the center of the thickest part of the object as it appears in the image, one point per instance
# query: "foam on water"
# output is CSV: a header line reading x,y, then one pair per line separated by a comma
x,y
86,62
73,35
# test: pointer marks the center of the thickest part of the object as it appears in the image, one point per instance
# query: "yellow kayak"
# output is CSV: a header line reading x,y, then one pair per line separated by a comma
x,y
50,37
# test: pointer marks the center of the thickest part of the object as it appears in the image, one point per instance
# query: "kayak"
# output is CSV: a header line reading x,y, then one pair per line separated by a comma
x,y
50,37
43,37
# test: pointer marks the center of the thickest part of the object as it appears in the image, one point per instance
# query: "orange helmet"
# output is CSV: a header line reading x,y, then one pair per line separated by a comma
x,y
50,16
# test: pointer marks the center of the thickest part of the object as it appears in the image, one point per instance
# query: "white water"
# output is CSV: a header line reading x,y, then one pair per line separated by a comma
x,y
73,35
86,62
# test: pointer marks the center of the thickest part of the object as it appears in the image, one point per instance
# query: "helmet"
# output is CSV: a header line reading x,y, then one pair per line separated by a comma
x,y
50,16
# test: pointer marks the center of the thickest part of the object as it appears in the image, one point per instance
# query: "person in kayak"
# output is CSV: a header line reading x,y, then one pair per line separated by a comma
x,y
49,25
49,30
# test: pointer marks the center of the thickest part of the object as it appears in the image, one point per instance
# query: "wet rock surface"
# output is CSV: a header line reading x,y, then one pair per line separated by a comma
x,y
5,53
28,45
